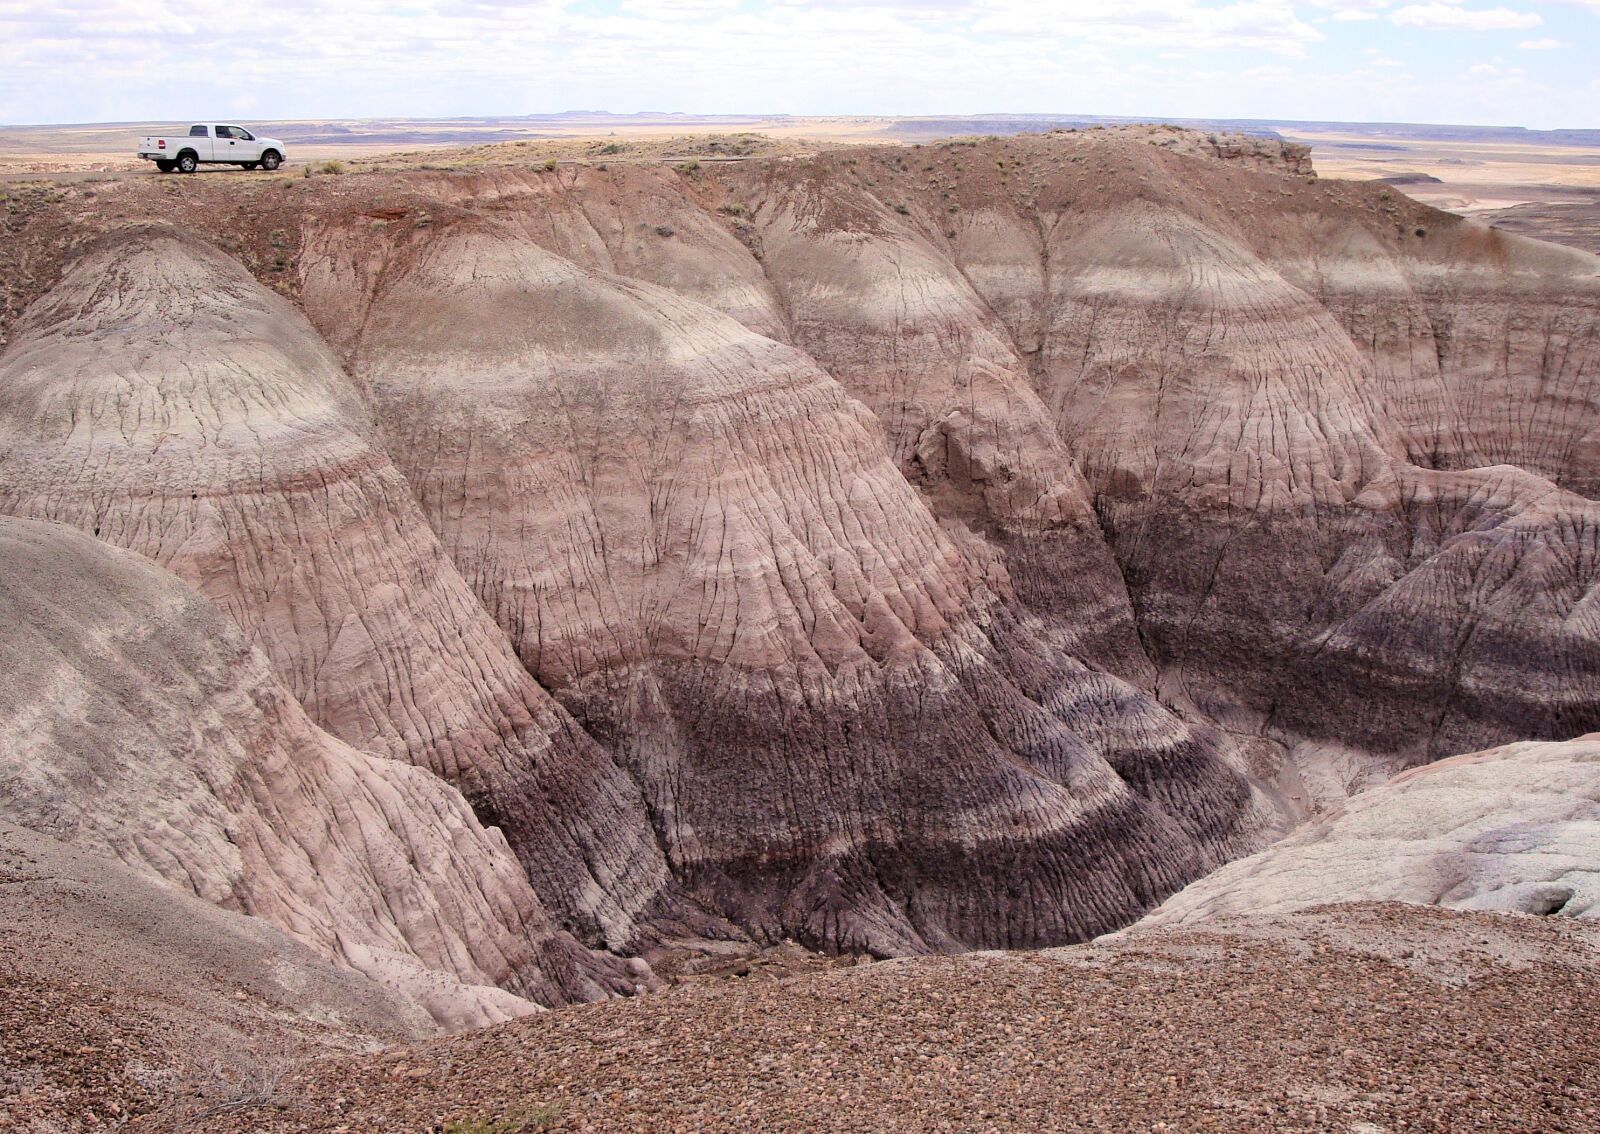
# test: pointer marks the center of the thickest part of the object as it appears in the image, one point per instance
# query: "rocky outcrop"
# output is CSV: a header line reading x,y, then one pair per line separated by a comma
x,y
138,723
161,399
1513,829
1271,155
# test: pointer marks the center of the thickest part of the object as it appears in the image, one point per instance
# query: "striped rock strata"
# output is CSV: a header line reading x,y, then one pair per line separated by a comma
x,y
137,722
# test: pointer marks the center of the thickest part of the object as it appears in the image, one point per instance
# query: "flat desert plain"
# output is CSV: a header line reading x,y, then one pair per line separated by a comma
x,y
1541,187
1551,192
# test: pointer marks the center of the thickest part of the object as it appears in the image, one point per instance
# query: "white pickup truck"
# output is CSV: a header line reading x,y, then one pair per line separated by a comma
x,y
207,144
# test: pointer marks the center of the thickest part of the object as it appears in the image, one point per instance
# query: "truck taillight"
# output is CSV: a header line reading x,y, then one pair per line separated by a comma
x,y
162,144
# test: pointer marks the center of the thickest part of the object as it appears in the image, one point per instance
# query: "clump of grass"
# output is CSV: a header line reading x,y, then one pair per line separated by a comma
x,y
690,166
664,230
331,168
902,210
550,165
733,210
613,148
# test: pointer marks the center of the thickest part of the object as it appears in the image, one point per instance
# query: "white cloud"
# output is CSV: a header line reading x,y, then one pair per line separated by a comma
x,y
677,9
1353,9
1452,17
78,60
1545,44
1252,25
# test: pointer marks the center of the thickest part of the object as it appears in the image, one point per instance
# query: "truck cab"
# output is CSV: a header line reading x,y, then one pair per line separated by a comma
x,y
211,143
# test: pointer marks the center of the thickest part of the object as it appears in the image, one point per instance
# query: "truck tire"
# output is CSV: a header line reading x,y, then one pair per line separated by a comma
x,y
188,162
271,160
166,166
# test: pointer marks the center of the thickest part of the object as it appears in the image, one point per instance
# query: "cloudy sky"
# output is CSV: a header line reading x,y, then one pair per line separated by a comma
x,y
1507,62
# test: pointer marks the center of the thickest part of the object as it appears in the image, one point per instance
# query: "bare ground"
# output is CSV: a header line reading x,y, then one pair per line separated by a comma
x,y
121,998
1353,1018
1575,221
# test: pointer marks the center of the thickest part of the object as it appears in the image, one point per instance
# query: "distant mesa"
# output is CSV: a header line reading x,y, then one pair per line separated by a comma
x,y
1411,179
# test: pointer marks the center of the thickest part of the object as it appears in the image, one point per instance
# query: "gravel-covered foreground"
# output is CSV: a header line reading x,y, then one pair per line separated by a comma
x,y
1350,1018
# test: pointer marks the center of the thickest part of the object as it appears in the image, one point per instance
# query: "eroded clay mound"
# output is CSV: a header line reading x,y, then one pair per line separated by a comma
x,y
871,290
1238,431
847,726
138,722
162,399
1291,402
1513,829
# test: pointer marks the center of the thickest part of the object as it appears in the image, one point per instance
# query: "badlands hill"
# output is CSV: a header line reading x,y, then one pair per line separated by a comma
x,y
500,580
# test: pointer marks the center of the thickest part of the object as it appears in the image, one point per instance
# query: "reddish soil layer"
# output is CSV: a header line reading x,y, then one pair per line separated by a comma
x,y
1353,1018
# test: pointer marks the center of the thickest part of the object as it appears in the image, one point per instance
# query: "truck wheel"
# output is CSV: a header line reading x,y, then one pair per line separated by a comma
x,y
271,160
166,166
187,162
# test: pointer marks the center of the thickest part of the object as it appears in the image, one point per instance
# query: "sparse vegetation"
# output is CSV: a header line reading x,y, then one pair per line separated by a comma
x,y
330,168
239,1080
664,230
550,165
